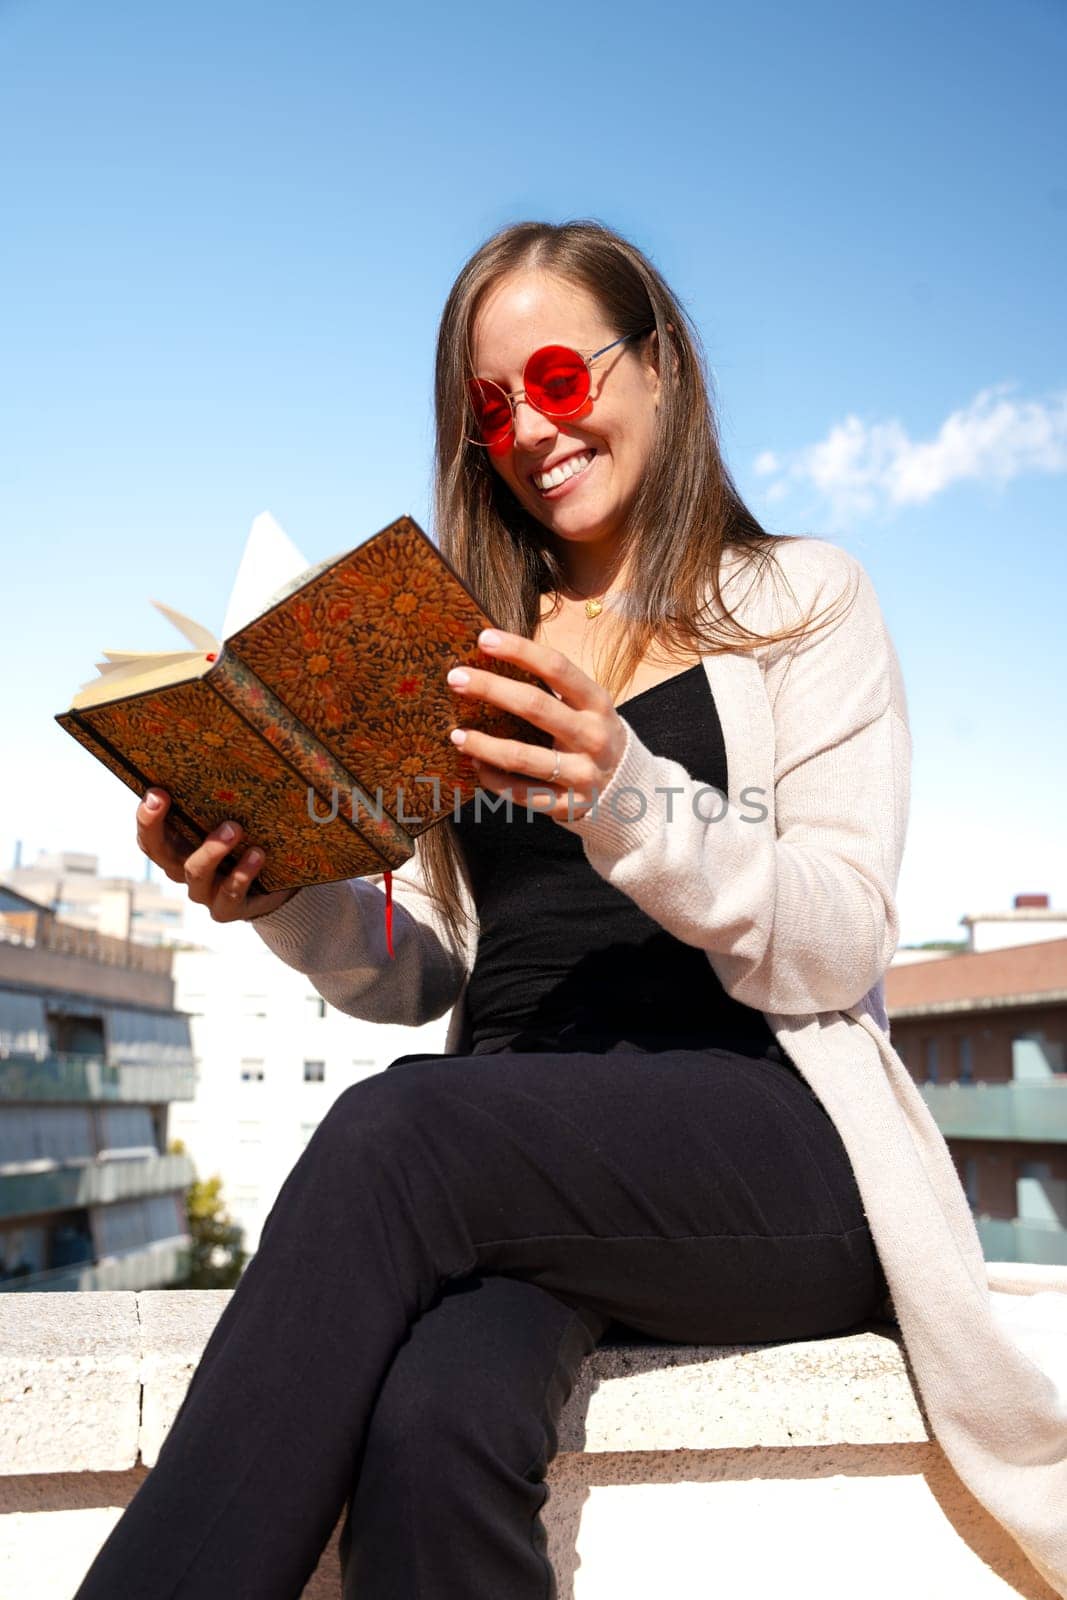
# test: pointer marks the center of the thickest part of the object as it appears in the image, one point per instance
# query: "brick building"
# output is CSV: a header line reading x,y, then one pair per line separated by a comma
x,y
984,1034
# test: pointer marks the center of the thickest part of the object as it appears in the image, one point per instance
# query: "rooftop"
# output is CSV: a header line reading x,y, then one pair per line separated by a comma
x,y
1025,974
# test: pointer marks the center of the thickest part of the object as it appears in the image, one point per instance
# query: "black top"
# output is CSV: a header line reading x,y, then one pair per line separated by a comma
x,y
558,945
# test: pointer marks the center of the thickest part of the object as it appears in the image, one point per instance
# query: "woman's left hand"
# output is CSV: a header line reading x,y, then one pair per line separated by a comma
x,y
589,734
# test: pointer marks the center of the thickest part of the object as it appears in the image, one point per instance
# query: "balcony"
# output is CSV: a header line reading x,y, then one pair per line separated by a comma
x,y
79,961
43,930
94,1183
1034,1112
1042,1244
92,1078
153,1266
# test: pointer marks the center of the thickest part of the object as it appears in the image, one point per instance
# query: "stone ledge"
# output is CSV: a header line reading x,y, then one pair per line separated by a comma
x,y
70,1382
92,1383
674,1461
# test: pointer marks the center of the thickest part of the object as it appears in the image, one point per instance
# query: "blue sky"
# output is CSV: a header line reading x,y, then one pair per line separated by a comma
x,y
227,231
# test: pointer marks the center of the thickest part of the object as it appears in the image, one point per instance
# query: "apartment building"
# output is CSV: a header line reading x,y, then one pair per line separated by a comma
x,y
71,884
267,1056
984,1034
93,1053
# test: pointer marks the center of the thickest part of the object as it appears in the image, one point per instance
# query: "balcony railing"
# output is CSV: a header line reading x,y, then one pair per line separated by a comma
x,y
45,931
1034,1112
87,1078
1043,1244
150,1266
92,1183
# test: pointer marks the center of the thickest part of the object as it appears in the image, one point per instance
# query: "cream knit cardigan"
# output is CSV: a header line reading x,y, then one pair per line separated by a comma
x,y
791,894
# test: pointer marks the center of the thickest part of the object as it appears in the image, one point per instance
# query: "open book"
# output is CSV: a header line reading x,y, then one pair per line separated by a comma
x,y
320,721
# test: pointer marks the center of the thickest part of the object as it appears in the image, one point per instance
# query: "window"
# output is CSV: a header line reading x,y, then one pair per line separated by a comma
x,y
245,1203
1040,1198
930,1059
314,1071
306,1130
249,1132
251,1070
970,1181
315,1006
966,1058
255,1005
73,1034
1035,1056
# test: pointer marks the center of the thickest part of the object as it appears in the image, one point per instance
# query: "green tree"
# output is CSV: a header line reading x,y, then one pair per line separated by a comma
x,y
216,1257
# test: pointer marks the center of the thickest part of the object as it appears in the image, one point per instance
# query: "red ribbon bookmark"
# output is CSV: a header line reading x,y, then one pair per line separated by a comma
x,y
389,914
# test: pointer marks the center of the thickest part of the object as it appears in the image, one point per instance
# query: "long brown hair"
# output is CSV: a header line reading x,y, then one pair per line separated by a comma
x,y
687,510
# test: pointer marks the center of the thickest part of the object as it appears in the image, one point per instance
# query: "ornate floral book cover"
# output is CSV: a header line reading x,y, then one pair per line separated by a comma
x,y
321,725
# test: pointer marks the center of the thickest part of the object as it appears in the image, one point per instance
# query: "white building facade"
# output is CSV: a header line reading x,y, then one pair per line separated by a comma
x,y
271,1057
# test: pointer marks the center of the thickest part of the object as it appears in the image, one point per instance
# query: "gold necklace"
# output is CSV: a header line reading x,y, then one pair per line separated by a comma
x,y
595,604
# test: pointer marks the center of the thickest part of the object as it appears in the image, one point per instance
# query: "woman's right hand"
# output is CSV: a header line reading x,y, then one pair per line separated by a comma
x,y
225,894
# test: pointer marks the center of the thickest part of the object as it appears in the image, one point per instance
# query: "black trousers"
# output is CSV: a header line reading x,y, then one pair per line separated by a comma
x,y
458,1234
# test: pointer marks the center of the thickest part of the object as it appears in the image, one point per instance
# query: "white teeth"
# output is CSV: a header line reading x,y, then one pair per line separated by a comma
x,y
560,474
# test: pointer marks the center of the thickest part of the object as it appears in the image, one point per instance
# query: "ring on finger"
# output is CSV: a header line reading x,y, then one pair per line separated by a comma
x,y
555,770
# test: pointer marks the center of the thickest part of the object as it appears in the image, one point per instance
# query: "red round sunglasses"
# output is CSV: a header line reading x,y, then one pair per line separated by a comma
x,y
556,382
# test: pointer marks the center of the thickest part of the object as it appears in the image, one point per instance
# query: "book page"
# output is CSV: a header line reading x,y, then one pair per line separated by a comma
x,y
199,637
115,660
271,562
140,675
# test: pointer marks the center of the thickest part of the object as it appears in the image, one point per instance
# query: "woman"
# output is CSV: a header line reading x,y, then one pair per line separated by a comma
x,y
667,1102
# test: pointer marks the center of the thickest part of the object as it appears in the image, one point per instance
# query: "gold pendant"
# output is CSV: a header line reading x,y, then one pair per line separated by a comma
x,y
593,608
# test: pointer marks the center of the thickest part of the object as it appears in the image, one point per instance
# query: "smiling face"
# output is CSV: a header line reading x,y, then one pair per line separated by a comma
x,y
578,476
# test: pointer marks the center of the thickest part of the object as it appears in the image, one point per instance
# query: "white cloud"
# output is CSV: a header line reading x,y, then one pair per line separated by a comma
x,y
861,467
